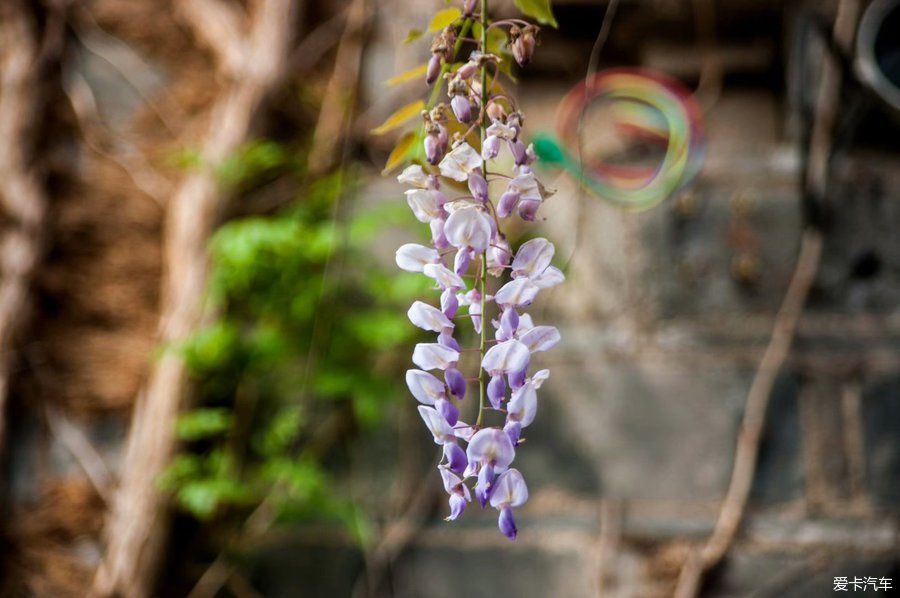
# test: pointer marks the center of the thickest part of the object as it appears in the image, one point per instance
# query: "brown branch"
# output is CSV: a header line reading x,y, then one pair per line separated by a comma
x,y
337,104
21,193
135,530
746,452
217,25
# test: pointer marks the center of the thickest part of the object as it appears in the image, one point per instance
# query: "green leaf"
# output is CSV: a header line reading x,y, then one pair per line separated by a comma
x,y
413,35
539,10
443,18
203,423
399,117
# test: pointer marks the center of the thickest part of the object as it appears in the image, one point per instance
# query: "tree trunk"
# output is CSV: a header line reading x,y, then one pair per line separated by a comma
x,y
252,64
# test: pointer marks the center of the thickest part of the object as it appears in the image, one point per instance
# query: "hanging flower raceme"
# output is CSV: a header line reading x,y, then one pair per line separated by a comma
x,y
468,244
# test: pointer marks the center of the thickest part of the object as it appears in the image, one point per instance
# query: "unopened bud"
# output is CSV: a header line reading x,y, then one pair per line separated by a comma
x,y
434,69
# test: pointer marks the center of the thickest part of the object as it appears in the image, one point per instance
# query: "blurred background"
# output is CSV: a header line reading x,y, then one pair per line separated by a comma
x,y
204,334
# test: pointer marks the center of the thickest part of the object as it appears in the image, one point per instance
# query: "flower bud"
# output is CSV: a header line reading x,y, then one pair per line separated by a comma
x,y
437,234
434,69
496,391
491,147
456,457
478,186
462,108
468,70
449,303
469,7
518,151
496,112
462,260
522,42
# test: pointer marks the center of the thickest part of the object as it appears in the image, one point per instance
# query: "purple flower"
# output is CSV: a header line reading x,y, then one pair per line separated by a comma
x,y
458,491
460,162
469,228
509,492
432,356
490,452
428,317
508,356
516,293
471,225
413,258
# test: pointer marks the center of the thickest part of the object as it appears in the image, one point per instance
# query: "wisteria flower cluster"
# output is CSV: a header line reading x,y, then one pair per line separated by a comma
x,y
468,244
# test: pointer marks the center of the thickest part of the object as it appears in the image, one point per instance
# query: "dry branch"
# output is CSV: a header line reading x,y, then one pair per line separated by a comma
x,y
135,529
749,438
21,194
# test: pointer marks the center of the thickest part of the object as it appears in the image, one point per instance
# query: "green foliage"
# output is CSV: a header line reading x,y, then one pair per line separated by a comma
x,y
538,10
305,343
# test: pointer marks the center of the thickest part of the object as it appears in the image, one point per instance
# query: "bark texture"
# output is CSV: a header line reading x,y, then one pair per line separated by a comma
x,y
22,196
251,63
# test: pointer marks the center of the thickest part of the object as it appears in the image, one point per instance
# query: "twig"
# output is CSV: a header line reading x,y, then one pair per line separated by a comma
x,y
338,100
84,453
748,441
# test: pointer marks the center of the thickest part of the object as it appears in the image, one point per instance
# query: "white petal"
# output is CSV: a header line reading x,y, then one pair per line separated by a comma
x,y
428,317
437,425
415,176
425,204
540,377
491,445
550,277
425,388
532,258
518,292
522,406
432,356
461,160
508,356
540,338
463,430
468,227
446,278
413,258
510,490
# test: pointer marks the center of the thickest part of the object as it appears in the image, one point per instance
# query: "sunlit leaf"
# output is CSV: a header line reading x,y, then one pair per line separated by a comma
x,y
539,10
400,151
399,117
203,423
416,73
443,18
